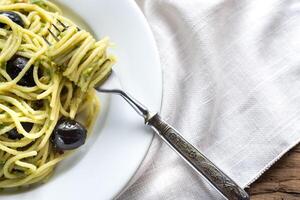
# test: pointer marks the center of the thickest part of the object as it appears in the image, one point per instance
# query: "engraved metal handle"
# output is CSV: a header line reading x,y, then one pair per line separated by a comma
x,y
190,154
225,185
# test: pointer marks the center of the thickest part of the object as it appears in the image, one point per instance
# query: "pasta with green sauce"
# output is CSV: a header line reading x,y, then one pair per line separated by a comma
x,y
48,69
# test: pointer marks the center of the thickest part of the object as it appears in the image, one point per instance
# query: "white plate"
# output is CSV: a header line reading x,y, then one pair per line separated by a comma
x,y
120,141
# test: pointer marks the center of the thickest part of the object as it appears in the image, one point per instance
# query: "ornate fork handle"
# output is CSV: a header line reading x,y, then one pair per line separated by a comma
x,y
189,153
197,160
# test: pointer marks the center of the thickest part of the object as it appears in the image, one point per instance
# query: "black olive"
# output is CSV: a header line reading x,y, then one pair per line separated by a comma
x,y
13,17
68,134
27,126
17,170
15,65
26,147
15,135
38,104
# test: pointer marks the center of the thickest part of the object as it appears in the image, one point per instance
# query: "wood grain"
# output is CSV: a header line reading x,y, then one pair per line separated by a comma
x,y
281,181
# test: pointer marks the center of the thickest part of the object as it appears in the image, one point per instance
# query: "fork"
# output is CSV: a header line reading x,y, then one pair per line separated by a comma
x,y
200,163
218,179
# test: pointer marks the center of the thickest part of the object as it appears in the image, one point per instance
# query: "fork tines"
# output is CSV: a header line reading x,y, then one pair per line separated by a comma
x,y
46,41
55,36
63,25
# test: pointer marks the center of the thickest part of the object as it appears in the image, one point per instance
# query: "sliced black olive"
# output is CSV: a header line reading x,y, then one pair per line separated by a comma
x,y
17,170
15,65
38,104
68,134
15,135
27,126
24,148
13,17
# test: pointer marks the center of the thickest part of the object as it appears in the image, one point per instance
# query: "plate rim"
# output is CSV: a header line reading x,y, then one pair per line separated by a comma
x,y
152,38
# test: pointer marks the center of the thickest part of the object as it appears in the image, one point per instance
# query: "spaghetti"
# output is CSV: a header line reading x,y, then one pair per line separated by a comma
x,y
48,68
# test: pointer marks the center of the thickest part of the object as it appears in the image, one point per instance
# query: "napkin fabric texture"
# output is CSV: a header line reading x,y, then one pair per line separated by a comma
x,y
231,86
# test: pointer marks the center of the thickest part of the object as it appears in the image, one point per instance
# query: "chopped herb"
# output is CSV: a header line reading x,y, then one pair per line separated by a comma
x,y
87,72
37,1
40,3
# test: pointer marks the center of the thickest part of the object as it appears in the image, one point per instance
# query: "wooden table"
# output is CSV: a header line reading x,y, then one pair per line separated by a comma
x,y
281,181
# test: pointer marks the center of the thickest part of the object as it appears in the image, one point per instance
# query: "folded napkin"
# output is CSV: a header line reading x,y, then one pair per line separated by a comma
x,y
231,86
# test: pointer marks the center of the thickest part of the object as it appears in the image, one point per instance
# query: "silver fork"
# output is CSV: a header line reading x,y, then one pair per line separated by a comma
x,y
216,177
225,185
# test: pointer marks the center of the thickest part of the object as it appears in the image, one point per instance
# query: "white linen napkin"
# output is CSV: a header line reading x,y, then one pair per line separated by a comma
x,y
231,86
